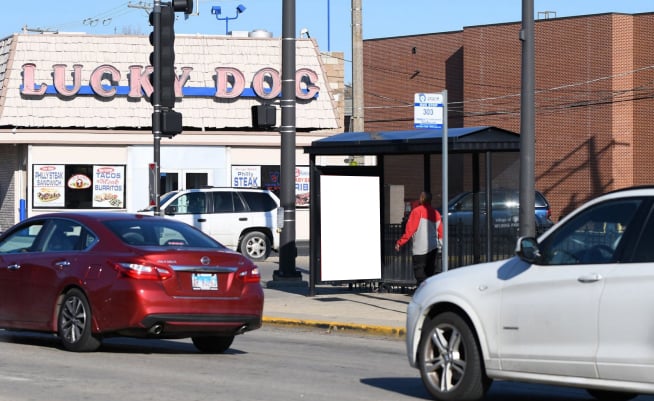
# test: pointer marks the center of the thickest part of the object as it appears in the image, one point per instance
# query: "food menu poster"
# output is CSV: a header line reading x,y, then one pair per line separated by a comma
x,y
78,186
108,186
302,186
268,177
246,176
49,185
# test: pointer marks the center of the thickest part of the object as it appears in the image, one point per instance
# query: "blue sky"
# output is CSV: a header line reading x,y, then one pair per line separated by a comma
x,y
381,18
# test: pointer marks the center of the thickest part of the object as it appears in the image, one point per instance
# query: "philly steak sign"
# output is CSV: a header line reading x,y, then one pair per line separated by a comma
x,y
105,81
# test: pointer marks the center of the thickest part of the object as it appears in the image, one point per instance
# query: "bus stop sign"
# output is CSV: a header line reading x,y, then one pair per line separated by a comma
x,y
428,110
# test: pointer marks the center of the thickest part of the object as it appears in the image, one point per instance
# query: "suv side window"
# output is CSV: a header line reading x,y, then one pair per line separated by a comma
x,y
644,252
223,202
259,201
190,203
593,236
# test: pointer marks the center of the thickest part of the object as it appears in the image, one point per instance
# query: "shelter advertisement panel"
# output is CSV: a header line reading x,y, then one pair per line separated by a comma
x,y
350,228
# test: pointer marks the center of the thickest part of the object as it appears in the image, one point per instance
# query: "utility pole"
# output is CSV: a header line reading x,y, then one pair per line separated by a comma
x,y
357,67
287,247
527,123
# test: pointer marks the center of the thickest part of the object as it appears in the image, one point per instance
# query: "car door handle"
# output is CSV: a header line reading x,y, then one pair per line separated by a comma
x,y
242,219
14,266
590,278
62,263
202,220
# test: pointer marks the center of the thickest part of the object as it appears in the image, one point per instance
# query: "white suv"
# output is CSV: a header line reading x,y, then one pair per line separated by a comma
x,y
572,308
241,219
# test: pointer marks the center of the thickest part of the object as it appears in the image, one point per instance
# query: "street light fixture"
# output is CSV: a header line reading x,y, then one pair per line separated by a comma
x,y
216,10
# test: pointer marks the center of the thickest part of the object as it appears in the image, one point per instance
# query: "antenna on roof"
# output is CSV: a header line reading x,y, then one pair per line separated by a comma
x,y
546,14
142,5
148,7
39,30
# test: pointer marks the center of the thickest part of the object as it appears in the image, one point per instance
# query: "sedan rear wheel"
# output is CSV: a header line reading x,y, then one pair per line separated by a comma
x,y
74,323
256,246
449,360
213,344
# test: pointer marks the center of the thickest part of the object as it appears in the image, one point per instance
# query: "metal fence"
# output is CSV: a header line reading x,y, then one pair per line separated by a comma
x,y
397,267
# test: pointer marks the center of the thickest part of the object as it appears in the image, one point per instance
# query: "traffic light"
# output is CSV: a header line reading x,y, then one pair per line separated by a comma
x,y
183,5
165,121
162,58
167,57
171,123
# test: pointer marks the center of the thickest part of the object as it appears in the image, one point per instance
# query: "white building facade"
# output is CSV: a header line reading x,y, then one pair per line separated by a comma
x,y
75,119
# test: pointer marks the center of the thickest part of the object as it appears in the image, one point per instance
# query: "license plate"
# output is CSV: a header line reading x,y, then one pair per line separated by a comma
x,y
205,281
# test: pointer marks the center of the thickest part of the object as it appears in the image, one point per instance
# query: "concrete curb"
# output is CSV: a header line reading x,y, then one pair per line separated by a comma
x,y
331,327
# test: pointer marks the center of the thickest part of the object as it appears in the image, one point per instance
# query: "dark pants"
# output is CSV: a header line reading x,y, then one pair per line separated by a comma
x,y
425,265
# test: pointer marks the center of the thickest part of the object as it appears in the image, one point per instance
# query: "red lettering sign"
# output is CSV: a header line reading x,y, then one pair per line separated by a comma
x,y
267,83
105,79
28,81
230,82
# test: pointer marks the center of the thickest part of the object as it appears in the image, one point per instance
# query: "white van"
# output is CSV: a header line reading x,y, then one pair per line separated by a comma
x,y
247,220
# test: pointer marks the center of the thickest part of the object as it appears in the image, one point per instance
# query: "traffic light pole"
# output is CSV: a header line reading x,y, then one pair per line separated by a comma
x,y
156,102
287,248
165,121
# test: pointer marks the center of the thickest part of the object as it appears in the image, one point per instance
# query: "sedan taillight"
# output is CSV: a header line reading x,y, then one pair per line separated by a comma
x,y
251,275
141,271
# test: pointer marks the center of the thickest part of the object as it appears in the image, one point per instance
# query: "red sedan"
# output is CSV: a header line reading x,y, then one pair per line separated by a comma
x,y
86,276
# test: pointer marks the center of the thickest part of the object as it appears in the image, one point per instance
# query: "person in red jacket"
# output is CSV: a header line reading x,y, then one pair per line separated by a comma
x,y
425,229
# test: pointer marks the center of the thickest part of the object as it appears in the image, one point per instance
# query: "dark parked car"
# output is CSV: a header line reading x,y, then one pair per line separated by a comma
x,y
91,275
505,210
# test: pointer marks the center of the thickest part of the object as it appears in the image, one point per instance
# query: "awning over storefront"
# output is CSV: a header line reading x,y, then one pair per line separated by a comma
x,y
423,141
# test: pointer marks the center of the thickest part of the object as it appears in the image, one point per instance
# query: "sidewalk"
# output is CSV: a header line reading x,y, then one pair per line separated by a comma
x,y
334,307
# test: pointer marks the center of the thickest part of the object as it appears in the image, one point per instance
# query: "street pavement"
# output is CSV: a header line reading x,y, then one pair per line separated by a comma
x,y
339,307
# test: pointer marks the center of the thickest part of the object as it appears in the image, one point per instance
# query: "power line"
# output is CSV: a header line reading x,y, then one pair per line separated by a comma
x,y
104,18
588,97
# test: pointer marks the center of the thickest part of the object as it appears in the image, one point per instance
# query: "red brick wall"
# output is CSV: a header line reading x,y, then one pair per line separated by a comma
x,y
394,69
643,105
593,95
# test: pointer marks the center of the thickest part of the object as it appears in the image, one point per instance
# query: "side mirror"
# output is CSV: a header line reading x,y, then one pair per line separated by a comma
x,y
527,250
170,210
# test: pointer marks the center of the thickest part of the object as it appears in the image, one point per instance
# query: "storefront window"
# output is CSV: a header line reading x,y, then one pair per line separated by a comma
x,y
269,177
78,186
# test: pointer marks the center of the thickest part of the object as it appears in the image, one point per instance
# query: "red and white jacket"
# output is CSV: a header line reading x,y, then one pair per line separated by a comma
x,y
424,227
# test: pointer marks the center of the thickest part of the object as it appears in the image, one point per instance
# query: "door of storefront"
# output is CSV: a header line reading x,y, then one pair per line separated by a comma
x,y
174,180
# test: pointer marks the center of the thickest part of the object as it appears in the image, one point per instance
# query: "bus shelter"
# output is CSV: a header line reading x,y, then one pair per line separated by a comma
x,y
350,239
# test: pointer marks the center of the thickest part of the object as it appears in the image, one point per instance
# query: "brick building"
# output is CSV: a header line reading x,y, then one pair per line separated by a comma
x,y
594,98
